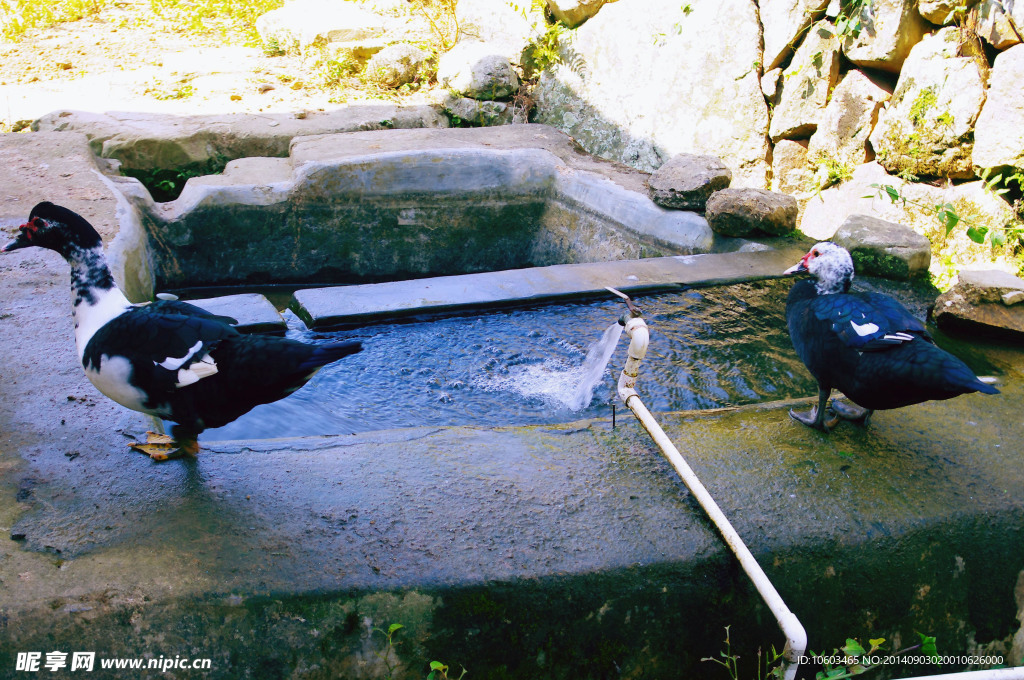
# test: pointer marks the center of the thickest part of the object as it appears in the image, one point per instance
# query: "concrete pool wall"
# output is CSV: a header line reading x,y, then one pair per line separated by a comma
x,y
388,205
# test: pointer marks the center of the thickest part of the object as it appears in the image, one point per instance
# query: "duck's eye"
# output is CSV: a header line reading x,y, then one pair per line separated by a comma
x,y
815,253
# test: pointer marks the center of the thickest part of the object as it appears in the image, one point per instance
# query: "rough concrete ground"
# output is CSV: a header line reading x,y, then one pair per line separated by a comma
x,y
560,551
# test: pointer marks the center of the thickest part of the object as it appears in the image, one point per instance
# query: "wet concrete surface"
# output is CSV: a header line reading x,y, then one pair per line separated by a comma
x,y
549,551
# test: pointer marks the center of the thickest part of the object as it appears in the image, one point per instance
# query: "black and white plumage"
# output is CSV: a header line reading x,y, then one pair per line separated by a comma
x,y
168,358
866,345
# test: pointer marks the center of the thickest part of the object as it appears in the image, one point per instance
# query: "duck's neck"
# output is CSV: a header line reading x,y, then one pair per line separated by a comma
x,y
95,298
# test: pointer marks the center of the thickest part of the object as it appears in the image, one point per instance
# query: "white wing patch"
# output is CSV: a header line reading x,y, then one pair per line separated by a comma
x,y
866,329
901,337
172,364
203,368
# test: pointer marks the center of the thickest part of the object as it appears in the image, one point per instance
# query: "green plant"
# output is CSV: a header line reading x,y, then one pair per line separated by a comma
x,y
856,659
948,216
863,660
332,72
769,666
544,51
234,20
834,171
164,184
439,671
272,47
182,90
924,102
386,654
19,16
849,22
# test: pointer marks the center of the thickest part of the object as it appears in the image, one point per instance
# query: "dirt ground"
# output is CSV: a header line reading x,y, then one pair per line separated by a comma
x,y
128,59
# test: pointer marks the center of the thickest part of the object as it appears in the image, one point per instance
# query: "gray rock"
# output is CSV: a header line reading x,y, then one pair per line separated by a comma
x,y
480,113
889,30
477,70
806,84
884,248
937,11
770,84
988,298
397,65
847,121
686,181
740,211
301,23
999,132
785,22
996,26
791,174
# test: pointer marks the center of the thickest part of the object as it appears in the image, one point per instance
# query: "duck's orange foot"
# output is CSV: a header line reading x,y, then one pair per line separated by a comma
x,y
161,447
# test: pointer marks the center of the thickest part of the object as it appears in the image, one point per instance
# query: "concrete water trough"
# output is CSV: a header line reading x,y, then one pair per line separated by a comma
x,y
556,550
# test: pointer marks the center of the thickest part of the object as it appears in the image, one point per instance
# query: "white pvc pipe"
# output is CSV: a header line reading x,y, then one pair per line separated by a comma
x,y
796,637
991,674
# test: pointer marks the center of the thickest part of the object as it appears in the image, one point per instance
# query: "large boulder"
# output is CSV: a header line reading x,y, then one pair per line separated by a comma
x,y
785,22
938,12
989,298
889,30
397,65
477,70
884,248
999,132
807,83
928,126
301,23
745,211
847,121
686,181
635,86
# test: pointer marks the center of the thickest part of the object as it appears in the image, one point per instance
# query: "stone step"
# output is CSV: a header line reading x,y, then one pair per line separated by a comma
x,y
253,312
342,305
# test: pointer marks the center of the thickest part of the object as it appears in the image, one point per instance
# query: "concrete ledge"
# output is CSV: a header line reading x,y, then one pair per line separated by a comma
x,y
253,312
335,306
403,204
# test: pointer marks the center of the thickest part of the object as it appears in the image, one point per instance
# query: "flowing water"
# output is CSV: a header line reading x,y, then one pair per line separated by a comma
x,y
545,364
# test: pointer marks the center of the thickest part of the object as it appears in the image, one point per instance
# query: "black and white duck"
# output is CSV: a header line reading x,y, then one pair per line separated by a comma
x,y
866,345
168,358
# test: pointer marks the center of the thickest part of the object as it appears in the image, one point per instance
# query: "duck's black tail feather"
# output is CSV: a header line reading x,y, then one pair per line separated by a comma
x,y
329,352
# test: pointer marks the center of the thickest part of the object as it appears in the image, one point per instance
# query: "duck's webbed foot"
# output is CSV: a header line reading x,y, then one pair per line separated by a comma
x,y
819,417
851,412
161,447
824,422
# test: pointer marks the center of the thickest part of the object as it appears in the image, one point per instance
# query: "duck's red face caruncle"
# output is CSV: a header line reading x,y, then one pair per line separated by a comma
x,y
805,262
29,234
